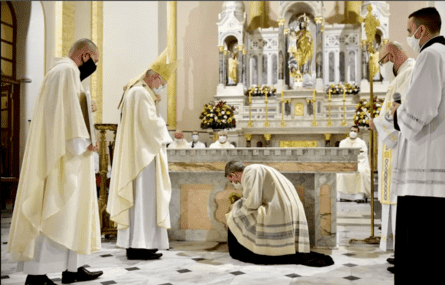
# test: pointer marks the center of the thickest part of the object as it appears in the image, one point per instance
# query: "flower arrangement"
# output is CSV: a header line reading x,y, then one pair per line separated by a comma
x,y
360,117
257,91
218,116
352,89
335,89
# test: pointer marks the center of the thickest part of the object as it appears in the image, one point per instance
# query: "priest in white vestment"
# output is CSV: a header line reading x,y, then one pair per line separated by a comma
x,y
397,68
140,188
56,218
179,141
195,143
419,174
268,224
355,186
222,141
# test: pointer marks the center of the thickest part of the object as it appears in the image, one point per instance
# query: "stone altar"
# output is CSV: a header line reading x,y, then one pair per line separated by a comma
x,y
200,191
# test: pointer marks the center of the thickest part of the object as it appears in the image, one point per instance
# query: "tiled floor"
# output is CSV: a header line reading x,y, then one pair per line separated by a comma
x,y
209,262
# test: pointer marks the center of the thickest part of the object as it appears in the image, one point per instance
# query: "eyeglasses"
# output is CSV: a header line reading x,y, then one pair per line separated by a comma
x,y
380,61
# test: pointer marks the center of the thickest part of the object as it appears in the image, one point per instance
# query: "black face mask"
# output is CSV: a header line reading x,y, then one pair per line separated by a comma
x,y
87,68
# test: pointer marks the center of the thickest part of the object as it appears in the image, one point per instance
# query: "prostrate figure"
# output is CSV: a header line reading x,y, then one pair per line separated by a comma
x,y
355,186
179,141
397,69
268,224
56,217
222,141
195,141
140,188
419,173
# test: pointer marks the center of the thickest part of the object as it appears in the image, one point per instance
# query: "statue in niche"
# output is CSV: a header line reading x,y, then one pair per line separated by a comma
x,y
287,108
302,46
233,67
310,108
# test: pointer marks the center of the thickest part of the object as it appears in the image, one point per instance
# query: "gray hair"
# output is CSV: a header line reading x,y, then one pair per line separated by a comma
x,y
151,72
396,45
233,166
81,44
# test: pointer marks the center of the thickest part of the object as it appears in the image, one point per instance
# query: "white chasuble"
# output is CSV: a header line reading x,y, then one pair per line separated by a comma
x,y
182,143
140,153
388,135
197,145
356,183
56,194
269,219
420,167
217,144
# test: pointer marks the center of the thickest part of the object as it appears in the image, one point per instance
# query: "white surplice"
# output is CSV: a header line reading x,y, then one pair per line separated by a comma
x,y
420,168
140,188
56,195
355,185
269,219
387,155
197,145
217,144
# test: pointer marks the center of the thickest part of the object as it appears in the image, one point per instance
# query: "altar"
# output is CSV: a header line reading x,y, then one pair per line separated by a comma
x,y
200,192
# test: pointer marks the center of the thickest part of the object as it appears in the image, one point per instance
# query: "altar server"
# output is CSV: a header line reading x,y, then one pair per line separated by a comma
x,y
419,174
222,141
140,188
397,68
195,141
179,141
268,224
355,186
56,218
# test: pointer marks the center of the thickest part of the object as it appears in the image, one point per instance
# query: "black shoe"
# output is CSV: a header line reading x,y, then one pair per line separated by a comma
x,y
391,260
38,280
142,254
81,275
392,269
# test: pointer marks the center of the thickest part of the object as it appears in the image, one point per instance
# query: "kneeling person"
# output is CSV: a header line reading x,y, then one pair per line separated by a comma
x,y
268,224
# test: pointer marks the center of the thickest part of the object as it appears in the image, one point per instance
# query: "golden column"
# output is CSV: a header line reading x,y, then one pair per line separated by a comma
x,y
97,35
171,46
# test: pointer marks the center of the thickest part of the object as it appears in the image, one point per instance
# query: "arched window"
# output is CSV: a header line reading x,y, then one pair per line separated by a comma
x,y
254,70
331,67
264,78
342,67
8,40
274,69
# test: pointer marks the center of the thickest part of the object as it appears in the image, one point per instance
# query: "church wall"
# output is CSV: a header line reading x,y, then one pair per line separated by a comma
x,y
82,27
130,45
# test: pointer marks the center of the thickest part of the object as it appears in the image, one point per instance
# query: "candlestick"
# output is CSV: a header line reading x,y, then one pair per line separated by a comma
x,y
314,96
282,96
344,93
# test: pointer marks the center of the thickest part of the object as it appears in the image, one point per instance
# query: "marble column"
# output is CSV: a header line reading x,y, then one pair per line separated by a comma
x,y
281,49
245,67
286,57
225,68
239,73
319,48
221,64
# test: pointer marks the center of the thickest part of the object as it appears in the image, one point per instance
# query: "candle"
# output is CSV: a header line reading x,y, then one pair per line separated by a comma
x,y
282,96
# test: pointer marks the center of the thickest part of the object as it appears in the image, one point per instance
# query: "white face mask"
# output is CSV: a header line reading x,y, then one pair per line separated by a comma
x,y
413,42
352,135
222,139
388,71
237,186
195,138
159,90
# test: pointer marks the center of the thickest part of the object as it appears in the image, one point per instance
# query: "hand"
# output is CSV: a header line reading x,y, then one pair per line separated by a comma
x,y
394,108
371,124
93,148
158,98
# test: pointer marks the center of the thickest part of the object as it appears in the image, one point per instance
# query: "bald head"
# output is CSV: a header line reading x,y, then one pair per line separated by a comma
x,y
82,50
394,52
179,135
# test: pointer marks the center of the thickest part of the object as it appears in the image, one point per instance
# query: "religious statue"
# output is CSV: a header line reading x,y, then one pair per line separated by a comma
x,y
233,67
302,46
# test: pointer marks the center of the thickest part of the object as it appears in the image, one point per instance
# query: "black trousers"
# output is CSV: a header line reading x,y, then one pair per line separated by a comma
x,y
239,252
420,240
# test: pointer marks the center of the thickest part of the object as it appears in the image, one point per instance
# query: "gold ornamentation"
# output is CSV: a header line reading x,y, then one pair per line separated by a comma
x,y
248,137
329,123
327,137
265,90
221,48
299,109
298,143
97,34
286,31
385,41
281,22
371,24
171,46
250,107
318,20
267,137
244,51
240,47
64,27
225,52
